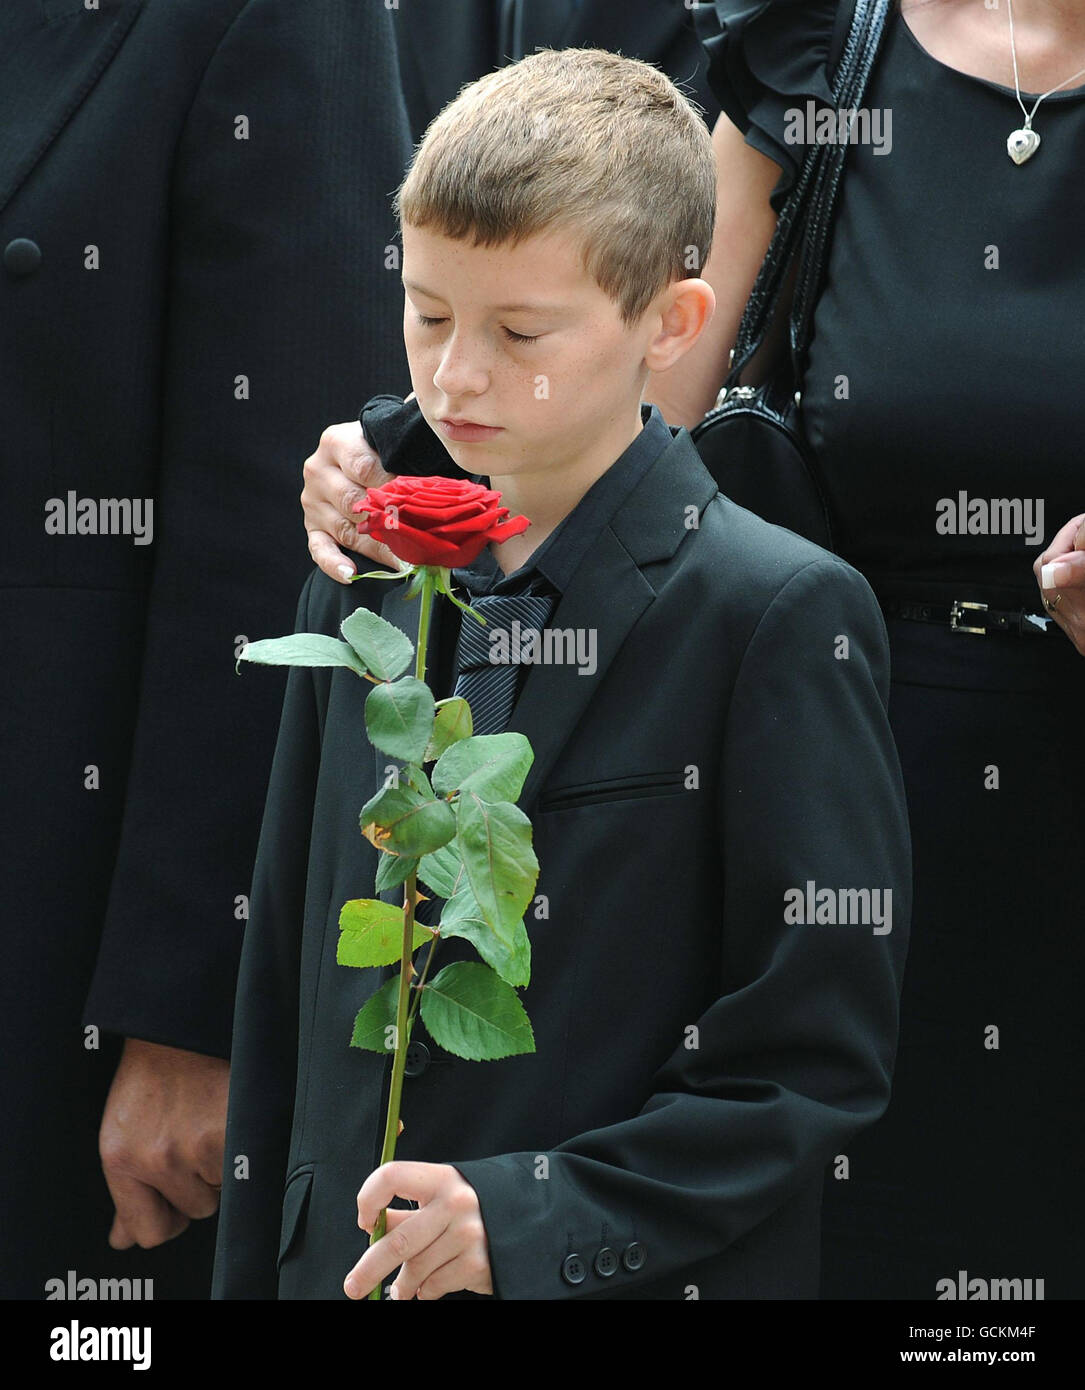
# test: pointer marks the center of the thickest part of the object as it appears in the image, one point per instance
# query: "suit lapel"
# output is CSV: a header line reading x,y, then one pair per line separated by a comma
x,y
608,594
52,52
606,597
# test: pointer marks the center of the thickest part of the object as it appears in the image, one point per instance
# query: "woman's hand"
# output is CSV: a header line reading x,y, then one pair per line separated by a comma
x,y
336,477
439,1248
1060,573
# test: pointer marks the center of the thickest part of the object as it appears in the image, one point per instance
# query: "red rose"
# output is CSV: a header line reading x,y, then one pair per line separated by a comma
x,y
436,521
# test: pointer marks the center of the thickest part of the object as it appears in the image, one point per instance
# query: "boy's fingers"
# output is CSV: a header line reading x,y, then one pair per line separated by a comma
x,y
460,1272
425,1264
406,1237
400,1178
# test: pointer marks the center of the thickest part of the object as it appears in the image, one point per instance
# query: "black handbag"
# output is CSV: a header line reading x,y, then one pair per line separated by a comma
x,y
752,441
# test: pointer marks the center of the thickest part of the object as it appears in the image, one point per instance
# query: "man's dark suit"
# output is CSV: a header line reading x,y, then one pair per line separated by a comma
x,y
442,46
699,1061
217,258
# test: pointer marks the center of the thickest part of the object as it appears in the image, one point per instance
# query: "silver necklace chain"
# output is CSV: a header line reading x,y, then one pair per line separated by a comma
x,y
1024,143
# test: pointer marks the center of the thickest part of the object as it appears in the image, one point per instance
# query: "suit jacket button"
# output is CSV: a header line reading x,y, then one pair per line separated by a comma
x,y
417,1059
634,1255
22,256
572,1269
606,1262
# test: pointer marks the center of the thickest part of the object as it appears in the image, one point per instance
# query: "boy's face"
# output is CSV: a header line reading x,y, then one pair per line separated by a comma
x,y
548,402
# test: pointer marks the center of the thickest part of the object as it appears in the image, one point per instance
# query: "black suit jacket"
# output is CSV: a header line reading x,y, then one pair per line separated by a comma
x,y
217,258
443,45
699,1061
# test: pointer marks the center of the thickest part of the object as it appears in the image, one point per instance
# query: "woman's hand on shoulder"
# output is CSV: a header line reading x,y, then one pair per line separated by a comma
x,y
1060,573
336,476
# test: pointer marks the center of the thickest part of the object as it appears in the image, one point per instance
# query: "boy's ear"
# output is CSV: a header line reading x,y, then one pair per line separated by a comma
x,y
684,309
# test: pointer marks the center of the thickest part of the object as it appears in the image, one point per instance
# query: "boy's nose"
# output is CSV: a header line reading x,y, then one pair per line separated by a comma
x,y
462,371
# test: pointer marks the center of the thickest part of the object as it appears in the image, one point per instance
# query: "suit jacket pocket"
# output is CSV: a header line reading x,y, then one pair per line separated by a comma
x,y
637,784
295,1205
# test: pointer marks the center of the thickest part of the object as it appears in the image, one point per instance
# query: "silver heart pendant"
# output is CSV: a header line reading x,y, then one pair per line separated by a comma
x,y
1022,145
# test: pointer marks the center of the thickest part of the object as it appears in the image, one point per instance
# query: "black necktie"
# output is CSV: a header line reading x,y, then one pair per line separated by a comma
x,y
488,659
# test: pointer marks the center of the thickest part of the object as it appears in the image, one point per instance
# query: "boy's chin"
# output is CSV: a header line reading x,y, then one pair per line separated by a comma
x,y
468,466
473,460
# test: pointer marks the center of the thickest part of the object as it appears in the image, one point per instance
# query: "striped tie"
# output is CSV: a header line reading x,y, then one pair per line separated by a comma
x,y
488,671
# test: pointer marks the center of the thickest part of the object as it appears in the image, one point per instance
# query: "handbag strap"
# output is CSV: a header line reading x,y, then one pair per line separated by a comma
x,y
805,220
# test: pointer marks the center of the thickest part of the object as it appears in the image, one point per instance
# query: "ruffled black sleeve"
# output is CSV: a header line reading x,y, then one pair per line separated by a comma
x,y
403,440
766,56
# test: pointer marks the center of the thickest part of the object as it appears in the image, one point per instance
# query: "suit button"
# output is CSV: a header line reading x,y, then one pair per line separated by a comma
x,y
606,1262
572,1269
22,256
417,1059
634,1256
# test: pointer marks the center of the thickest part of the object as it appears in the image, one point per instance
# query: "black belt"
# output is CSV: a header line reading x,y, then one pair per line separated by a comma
x,y
964,615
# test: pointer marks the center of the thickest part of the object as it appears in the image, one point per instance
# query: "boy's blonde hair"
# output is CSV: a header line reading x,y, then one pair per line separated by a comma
x,y
579,139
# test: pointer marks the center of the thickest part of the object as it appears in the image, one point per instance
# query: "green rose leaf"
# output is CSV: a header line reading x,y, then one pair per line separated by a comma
x,y
404,821
399,718
417,778
393,869
494,838
371,933
302,649
474,1014
493,765
375,1025
510,955
453,722
386,651
442,870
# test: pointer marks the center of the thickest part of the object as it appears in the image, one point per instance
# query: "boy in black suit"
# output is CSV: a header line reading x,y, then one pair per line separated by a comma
x,y
720,919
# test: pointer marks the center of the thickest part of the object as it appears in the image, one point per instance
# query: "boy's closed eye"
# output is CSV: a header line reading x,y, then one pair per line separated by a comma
x,y
513,336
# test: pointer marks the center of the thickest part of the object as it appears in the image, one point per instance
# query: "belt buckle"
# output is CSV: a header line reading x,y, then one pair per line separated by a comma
x,y
956,612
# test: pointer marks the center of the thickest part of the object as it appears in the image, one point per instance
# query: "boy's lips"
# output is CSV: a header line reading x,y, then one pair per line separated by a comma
x,y
467,431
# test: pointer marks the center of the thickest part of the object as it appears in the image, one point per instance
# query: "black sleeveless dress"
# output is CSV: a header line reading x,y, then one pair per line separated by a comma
x,y
946,369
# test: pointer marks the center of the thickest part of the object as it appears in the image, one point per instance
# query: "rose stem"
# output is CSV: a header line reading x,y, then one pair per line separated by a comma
x,y
391,1127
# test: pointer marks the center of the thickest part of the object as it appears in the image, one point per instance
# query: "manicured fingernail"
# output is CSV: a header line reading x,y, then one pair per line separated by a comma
x,y
393,1292
1054,574
345,572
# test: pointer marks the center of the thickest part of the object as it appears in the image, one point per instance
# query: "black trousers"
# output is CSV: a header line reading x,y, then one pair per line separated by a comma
x,y
977,1163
